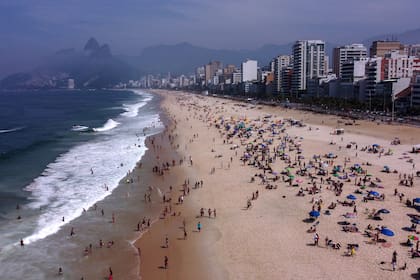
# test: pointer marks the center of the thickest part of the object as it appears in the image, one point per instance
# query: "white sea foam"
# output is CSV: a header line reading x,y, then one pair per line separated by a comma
x,y
132,110
11,130
110,124
68,185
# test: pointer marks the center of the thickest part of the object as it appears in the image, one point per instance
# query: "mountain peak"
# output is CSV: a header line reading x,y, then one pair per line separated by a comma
x,y
92,45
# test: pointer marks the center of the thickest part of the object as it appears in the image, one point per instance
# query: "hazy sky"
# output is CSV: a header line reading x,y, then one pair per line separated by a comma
x,y
30,29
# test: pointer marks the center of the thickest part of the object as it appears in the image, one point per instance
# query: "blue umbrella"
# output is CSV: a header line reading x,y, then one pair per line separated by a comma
x,y
374,193
384,211
351,197
314,214
387,232
416,200
415,221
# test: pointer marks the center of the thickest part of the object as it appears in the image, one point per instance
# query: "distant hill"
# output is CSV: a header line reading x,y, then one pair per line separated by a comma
x,y
94,67
407,37
185,57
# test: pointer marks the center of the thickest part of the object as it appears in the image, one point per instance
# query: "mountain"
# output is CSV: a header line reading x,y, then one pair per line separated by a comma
x,y
407,37
94,67
184,57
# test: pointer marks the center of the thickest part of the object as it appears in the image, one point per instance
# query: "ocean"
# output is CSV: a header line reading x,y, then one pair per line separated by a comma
x,y
61,152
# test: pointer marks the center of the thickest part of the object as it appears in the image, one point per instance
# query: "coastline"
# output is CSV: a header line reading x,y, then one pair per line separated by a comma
x,y
270,239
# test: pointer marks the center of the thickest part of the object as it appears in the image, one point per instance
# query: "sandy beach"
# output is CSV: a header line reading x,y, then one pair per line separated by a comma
x,y
261,227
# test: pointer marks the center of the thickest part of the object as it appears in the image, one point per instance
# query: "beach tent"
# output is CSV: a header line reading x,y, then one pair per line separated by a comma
x,y
351,197
314,214
387,232
384,211
374,193
416,200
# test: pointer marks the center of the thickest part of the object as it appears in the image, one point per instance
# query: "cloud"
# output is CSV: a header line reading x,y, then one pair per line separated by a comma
x,y
129,25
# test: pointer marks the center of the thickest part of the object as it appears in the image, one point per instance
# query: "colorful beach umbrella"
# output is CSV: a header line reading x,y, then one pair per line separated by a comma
x,y
416,200
387,232
314,213
413,237
351,197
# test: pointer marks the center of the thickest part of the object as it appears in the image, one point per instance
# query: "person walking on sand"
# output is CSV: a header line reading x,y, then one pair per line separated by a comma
x,y
199,227
316,239
394,260
209,211
165,261
185,234
214,213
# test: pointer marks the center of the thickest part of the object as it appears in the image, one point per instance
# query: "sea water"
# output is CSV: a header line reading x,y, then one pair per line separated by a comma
x,y
50,173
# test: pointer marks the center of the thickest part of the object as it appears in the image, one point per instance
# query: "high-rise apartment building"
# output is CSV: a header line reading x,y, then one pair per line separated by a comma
x,y
279,63
347,53
380,48
249,71
211,69
415,90
308,63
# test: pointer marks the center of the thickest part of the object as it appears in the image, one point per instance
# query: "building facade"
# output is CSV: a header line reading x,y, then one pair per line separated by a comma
x,y
347,53
380,48
308,63
279,63
210,70
249,71
415,90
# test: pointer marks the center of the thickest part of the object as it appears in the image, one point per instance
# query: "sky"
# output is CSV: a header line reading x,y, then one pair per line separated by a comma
x,y
32,29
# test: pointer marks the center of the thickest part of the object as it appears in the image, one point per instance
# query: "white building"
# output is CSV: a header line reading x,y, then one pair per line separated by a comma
x,y
70,84
347,53
249,70
308,63
236,77
353,71
398,65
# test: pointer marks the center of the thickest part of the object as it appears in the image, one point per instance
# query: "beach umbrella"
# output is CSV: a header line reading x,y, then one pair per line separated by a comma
x,y
314,214
374,193
415,221
351,197
387,232
416,200
413,237
384,211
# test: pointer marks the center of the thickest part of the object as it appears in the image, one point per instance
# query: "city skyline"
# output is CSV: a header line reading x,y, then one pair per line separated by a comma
x,y
33,30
